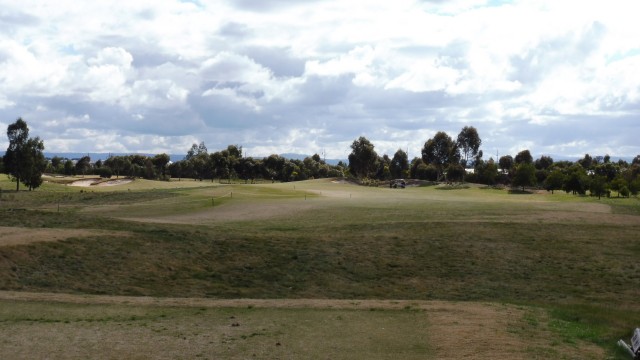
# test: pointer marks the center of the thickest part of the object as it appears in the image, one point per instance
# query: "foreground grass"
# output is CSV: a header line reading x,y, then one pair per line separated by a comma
x,y
313,329
573,256
59,330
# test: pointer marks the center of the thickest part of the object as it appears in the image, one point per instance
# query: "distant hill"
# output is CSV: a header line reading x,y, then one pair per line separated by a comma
x,y
101,156
293,156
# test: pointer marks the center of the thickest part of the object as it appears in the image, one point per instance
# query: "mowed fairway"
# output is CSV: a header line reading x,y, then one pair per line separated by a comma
x,y
345,272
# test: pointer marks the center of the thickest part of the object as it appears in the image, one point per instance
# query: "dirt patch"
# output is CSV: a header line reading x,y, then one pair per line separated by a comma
x,y
20,236
497,331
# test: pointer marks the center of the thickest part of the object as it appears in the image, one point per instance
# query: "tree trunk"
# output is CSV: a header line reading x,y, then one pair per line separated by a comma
x,y
17,184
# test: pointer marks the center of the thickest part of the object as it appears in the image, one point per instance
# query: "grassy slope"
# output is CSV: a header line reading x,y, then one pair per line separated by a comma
x,y
559,251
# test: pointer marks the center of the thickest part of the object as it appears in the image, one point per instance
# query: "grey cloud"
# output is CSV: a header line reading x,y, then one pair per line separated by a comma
x,y
145,54
268,5
235,30
253,106
104,117
277,59
573,136
571,49
11,19
218,112
324,91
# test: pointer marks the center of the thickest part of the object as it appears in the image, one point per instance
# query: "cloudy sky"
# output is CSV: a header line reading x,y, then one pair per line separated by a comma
x,y
281,76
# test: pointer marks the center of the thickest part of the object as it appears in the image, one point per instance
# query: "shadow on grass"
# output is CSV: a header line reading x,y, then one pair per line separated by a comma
x,y
520,192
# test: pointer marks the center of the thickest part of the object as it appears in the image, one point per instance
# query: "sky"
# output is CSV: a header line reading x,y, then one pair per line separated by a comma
x,y
287,76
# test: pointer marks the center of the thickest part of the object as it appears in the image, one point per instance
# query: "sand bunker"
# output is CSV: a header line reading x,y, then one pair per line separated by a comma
x,y
85,183
114,182
100,182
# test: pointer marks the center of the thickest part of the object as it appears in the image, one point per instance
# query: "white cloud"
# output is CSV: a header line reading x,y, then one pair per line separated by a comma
x,y
284,76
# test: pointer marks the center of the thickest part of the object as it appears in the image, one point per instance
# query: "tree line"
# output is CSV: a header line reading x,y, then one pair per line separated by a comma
x,y
442,159
228,164
445,159
25,163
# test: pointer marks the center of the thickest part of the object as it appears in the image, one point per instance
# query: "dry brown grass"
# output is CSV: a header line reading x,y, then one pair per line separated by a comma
x,y
20,236
380,243
162,328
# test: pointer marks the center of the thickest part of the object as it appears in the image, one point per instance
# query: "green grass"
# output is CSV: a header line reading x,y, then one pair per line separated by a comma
x,y
576,256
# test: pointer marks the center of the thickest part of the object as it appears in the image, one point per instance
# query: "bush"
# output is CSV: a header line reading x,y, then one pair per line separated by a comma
x,y
369,182
427,172
103,172
624,191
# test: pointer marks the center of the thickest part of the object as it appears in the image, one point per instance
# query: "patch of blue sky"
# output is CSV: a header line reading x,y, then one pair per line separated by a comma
x,y
69,49
496,3
623,55
194,2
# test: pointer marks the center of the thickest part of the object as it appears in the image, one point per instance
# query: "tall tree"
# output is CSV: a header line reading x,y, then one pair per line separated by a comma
x,y
586,162
554,181
196,150
525,176
18,133
399,164
598,186
544,162
235,151
523,157
469,142
505,163
363,158
83,165
577,180
440,151
160,162
36,163
24,158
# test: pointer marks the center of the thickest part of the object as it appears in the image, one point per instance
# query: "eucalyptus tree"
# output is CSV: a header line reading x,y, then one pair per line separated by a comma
x,y
363,158
598,186
506,163
469,143
160,162
440,151
24,159
544,162
523,156
525,175
554,181
577,180
399,164
83,165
